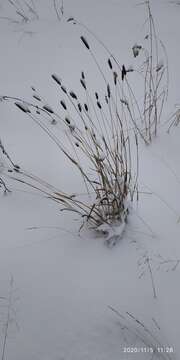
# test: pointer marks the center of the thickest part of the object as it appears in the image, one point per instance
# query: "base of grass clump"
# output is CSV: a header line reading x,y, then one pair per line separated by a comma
x,y
113,231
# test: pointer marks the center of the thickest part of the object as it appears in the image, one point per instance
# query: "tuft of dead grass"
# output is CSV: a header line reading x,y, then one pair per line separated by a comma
x,y
101,134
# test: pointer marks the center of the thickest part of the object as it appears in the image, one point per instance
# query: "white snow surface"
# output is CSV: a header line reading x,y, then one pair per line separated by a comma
x,y
64,283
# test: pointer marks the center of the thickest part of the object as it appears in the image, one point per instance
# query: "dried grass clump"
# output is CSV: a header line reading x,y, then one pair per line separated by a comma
x,y
101,132
98,143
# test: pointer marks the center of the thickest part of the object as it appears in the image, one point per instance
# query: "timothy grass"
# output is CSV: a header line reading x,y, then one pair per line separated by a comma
x,y
98,144
26,11
102,134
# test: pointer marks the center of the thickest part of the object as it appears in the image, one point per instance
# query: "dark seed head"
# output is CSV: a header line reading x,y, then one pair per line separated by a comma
x,y
99,105
73,95
123,72
79,107
36,97
115,75
82,75
22,107
77,144
63,104
64,89
86,107
110,64
70,19
83,83
85,42
48,109
67,120
56,78
108,91
96,95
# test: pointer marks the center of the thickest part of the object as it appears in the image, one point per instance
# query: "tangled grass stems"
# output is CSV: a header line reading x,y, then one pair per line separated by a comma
x,y
107,154
24,12
97,137
145,117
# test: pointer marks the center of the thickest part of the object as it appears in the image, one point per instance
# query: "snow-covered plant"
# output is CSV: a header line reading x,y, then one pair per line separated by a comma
x,y
100,133
96,140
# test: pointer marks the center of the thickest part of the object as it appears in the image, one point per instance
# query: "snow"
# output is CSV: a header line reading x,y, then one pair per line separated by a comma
x,y
65,282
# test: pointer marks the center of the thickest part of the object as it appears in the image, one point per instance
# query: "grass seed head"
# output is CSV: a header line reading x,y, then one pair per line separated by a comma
x,y
63,104
96,95
67,121
48,109
22,106
86,107
85,42
70,19
83,83
64,89
73,95
136,49
99,105
110,63
108,91
37,97
123,72
79,107
115,76
56,78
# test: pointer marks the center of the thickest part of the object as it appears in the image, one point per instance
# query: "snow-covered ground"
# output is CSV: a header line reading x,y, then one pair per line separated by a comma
x,y
64,283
